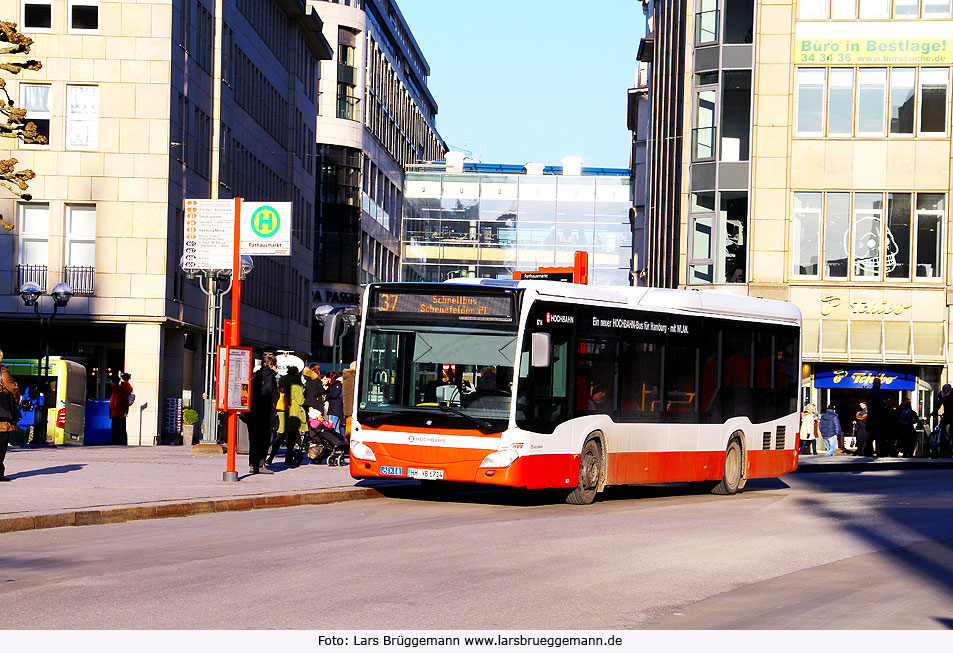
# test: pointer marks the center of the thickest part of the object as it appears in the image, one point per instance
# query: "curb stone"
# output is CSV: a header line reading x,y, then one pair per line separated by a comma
x,y
119,514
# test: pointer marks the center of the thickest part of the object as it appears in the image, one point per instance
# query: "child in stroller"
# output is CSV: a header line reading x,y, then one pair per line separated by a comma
x,y
323,442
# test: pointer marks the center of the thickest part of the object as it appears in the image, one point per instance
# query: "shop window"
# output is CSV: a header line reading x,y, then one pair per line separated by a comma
x,y
35,98
929,235
897,236
836,235
735,115
706,21
843,8
840,101
739,21
37,15
933,85
807,229
810,101
902,86
704,132
733,220
871,101
875,8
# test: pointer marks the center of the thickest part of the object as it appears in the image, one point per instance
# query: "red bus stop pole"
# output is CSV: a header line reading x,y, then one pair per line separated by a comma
x,y
230,473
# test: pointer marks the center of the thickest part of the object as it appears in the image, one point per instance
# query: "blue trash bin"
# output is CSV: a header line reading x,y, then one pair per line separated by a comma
x,y
98,425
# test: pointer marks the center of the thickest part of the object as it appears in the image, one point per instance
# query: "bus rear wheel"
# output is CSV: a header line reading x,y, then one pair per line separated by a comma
x,y
590,474
731,481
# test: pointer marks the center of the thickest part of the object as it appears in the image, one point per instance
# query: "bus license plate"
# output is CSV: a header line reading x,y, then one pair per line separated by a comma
x,y
425,474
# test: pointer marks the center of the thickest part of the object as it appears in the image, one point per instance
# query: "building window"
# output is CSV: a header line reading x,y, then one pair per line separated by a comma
x,y
84,15
897,237
739,21
81,236
703,136
843,8
902,89
37,15
810,101
936,8
929,235
875,8
836,235
82,117
868,233
809,9
718,239
933,91
840,101
34,234
733,235
735,115
707,22
35,98
871,98
346,55
807,229
906,8
347,102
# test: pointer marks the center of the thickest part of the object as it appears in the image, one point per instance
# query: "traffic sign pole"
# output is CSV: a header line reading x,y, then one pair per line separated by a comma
x,y
230,473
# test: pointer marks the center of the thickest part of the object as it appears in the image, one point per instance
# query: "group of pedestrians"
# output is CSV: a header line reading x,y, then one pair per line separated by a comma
x,y
881,426
283,410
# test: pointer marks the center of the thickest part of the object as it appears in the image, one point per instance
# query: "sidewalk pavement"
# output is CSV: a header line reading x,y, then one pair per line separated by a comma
x,y
78,486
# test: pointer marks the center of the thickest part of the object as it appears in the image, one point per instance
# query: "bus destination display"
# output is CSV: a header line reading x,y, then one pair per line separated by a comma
x,y
463,307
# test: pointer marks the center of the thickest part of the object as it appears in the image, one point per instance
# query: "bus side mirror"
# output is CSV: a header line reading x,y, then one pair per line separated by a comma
x,y
541,348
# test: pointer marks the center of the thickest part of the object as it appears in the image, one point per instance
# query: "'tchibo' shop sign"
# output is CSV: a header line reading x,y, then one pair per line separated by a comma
x,y
870,44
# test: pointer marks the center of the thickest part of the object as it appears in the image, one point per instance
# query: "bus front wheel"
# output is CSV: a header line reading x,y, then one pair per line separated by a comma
x,y
590,474
731,481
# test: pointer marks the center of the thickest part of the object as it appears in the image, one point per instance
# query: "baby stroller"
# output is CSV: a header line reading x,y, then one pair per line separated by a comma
x,y
323,443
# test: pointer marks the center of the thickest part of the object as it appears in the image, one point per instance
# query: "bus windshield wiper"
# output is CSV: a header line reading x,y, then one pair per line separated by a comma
x,y
375,419
482,424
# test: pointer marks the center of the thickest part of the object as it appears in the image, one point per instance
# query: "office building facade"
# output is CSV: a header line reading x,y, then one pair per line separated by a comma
x,y
146,104
376,116
487,221
812,165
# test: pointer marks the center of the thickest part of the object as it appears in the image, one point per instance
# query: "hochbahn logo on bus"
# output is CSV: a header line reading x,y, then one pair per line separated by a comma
x,y
560,319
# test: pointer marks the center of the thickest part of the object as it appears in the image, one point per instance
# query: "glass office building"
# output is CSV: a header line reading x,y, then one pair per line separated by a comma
x,y
487,221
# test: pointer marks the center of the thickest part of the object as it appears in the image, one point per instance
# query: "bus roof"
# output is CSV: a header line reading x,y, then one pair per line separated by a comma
x,y
688,301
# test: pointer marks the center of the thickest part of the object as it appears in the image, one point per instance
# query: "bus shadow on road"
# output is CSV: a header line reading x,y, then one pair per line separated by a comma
x,y
474,493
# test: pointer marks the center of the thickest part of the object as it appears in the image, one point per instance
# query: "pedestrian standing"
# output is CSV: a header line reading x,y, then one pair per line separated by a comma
x,y
292,418
907,434
876,408
347,394
119,400
9,412
336,402
261,414
313,395
860,429
944,400
891,428
808,427
830,429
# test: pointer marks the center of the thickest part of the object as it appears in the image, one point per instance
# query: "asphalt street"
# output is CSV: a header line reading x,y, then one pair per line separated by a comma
x,y
813,551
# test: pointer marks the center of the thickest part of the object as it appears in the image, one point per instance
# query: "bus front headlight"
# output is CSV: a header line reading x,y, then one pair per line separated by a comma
x,y
502,458
362,452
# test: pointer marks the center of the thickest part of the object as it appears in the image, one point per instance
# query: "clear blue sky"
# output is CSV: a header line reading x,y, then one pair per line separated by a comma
x,y
531,80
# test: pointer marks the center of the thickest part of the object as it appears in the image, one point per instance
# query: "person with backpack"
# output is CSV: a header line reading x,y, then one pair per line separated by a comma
x,y
907,434
830,428
9,412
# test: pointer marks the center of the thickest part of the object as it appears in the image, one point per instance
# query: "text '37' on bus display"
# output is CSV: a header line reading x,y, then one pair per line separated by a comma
x,y
540,384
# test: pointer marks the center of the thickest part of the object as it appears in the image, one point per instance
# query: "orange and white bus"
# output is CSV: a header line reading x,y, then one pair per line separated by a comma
x,y
541,384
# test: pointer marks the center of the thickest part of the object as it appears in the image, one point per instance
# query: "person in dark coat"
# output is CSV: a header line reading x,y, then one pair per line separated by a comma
x,y
860,429
876,407
907,434
891,430
260,417
8,423
336,401
944,400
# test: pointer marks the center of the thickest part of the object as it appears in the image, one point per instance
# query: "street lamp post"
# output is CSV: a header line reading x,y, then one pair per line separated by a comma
x,y
30,293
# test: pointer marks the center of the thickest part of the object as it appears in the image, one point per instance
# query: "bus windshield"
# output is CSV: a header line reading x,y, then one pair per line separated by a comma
x,y
451,378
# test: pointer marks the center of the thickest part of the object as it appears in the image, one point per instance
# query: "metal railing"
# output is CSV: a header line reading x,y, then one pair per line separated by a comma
x,y
81,278
31,273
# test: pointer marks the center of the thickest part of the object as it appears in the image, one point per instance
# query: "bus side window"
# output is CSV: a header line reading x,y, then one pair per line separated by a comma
x,y
787,376
543,392
710,362
640,365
